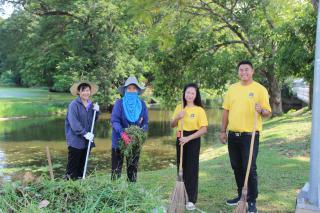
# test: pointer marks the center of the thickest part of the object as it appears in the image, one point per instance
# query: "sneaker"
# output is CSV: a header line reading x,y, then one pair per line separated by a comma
x,y
190,206
233,202
252,207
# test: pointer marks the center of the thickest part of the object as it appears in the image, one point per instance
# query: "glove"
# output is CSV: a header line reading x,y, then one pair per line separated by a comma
x,y
89,136
125,137
96,107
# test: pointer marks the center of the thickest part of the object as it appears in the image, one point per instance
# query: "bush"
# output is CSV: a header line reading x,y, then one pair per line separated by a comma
x,y
7,78
62,83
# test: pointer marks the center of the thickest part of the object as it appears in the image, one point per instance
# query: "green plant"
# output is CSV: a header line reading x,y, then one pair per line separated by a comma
x,y
137,136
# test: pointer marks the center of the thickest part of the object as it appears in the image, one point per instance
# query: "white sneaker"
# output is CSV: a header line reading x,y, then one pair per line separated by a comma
x,y
190,206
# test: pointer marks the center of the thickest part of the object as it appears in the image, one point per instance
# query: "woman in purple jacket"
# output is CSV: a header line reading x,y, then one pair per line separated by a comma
x,y
129,110
78,126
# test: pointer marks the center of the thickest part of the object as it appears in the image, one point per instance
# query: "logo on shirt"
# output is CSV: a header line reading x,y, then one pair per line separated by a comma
x,y
251,94
192,115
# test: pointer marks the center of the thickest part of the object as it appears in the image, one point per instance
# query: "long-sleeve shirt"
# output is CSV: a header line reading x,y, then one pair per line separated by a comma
x,y
119,121
78,123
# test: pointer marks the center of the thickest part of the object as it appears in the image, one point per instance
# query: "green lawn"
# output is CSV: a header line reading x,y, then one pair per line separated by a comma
x,y
31,102
283,167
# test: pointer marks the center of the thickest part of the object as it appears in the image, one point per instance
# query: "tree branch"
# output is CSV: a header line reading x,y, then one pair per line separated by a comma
x,y
207,8
216,47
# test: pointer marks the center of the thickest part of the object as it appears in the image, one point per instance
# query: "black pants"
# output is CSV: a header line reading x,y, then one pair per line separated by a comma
x,y
190,165
117,162
76,161
239,148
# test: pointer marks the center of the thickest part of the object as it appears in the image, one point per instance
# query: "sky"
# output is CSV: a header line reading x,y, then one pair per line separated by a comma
x,y
7,10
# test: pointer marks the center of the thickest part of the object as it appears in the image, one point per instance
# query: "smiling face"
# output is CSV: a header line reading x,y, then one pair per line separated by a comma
x,y
245,73
85,93
190,94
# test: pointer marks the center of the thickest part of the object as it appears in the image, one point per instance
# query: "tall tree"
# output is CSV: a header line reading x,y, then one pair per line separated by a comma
x,y
251,25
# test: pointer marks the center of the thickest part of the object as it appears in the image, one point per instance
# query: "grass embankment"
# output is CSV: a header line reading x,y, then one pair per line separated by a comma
x,y
283,166
20,102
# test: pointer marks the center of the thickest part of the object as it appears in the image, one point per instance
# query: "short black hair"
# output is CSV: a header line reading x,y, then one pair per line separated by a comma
x,y
197,100
245,62
83,86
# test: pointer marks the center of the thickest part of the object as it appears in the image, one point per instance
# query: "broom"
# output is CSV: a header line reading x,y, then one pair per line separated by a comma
x,y
179,196
242,204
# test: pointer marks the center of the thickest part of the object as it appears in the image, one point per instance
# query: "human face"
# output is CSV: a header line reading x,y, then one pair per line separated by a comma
x,y
245,73
190,94
132,88
85,94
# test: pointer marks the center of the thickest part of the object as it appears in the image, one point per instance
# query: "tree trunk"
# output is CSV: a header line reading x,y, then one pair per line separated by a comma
x,y
275,94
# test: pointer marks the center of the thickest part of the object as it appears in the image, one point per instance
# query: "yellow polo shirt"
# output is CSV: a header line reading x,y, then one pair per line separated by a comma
x,y
240,101
194,119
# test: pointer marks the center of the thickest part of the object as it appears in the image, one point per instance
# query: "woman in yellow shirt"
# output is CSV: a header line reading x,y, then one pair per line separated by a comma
x,y
195,124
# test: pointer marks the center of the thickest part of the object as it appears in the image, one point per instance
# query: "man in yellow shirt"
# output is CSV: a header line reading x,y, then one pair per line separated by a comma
x,y
240,102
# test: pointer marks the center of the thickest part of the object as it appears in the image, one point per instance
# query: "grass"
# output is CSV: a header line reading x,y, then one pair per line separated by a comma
x,y
31,102
283,168
95,194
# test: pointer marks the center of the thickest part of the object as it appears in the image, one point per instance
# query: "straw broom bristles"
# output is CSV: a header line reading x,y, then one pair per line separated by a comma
x,y
242,204
179,198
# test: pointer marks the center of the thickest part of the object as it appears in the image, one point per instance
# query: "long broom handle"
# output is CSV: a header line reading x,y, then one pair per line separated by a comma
x,y
251,148
89,146
181,146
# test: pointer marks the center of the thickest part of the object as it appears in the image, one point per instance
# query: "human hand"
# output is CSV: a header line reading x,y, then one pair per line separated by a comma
x,y
96,107
181,115
258,108
125,137
223,137
89,136
184,140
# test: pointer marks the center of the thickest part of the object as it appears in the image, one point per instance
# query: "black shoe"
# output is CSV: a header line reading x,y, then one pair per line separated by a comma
x,y
233,202
252,207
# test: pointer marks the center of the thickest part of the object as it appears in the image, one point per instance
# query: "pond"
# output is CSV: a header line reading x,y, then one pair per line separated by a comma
x,y
23,143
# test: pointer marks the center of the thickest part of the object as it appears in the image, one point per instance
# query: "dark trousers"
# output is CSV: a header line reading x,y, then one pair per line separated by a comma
x,y
117,162
239,148
76,161
190,165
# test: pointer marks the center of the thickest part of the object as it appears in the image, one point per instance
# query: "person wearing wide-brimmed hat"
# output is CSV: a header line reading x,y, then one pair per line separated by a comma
x,y
129,110
77,127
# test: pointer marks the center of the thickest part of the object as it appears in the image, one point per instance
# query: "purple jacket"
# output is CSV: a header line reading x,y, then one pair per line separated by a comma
x,y
119,121
78,123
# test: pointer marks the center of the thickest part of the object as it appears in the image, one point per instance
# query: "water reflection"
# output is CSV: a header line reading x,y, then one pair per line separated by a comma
x,y
23,142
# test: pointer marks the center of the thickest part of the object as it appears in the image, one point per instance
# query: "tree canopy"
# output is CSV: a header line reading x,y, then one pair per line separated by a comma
x,y
164,43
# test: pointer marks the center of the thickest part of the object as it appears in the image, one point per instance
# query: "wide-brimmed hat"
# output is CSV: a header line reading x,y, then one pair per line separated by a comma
x,y
131,80
74,88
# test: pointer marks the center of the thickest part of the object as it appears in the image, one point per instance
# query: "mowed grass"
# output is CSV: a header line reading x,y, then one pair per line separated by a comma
x,y
31,102
283,168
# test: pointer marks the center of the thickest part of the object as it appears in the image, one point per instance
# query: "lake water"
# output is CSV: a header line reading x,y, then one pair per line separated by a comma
x,y
23,143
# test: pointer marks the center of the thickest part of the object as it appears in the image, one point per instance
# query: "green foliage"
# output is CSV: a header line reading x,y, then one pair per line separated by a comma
x,y
95,194
7,78
165,43
138,137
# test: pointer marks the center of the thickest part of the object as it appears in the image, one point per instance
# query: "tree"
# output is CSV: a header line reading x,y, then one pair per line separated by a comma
x,y
251,25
